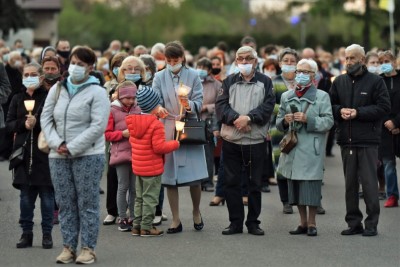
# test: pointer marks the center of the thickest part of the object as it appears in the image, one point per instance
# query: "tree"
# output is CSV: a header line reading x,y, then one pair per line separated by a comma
x,y
13,17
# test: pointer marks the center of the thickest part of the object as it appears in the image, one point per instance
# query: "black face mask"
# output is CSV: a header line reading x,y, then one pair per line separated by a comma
x,y
64,54
215,71
354,69
51,78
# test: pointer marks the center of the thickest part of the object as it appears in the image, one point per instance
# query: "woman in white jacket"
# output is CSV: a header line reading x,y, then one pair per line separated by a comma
x,y
73,120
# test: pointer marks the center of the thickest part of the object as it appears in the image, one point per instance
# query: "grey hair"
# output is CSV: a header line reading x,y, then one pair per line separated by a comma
x,y
310,62
158,47
246,49
35,65
355,47
13,54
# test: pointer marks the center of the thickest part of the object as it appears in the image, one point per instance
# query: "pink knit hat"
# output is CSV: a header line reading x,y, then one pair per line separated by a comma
x,y
127,91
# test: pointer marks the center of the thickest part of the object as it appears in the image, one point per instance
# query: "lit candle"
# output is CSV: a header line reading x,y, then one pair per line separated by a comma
x,y
29,105
179,127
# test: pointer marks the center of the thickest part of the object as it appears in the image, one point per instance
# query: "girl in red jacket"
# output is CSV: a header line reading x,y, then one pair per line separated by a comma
x,y
148,149
120,154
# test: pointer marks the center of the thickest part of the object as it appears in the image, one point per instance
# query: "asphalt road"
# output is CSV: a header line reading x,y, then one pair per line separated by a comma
x,y
209,247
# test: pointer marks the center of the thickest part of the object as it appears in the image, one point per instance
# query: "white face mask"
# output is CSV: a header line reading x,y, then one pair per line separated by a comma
x,y
76,72
270,74
245,69
31,82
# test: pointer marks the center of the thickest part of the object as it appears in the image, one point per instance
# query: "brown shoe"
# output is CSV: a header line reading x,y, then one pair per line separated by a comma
x,y
136,231
152,232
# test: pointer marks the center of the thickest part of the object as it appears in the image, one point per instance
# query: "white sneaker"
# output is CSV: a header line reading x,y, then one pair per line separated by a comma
x,y
164,217
66,256
87,256
157,220
109,220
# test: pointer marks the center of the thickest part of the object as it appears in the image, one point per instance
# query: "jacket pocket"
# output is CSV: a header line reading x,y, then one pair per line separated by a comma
x,y
316,146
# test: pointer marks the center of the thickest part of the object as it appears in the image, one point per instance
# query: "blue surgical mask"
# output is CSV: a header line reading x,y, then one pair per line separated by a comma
x,y
76,72
245,69
202,73
133,77
31,82
174,68
386,68
288,68
116,71
373,69
5,58
302,79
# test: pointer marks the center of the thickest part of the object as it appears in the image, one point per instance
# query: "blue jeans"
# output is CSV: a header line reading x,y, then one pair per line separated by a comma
x,y
27,206
389,166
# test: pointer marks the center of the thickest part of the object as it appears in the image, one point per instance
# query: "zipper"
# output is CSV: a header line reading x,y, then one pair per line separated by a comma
x,y
352,106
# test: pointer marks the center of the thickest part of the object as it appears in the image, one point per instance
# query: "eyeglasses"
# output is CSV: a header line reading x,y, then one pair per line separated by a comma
x,y
247,59
303,71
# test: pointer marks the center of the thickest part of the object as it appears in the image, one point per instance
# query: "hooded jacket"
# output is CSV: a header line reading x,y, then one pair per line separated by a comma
x,y
120,146
147,138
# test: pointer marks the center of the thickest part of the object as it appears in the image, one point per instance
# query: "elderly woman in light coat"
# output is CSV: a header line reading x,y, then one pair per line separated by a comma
x,y
309,111
186,166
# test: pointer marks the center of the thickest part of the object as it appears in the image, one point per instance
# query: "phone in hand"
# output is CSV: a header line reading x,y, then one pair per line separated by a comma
x,y
293,108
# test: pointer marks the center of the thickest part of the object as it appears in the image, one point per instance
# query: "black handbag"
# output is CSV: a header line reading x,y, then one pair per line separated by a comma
x,y
17,156
194,132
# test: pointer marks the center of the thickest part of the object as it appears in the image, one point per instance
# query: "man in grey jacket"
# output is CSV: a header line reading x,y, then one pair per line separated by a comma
x,y
244,107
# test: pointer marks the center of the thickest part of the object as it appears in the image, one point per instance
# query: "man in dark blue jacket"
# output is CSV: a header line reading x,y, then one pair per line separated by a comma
x,y
359,102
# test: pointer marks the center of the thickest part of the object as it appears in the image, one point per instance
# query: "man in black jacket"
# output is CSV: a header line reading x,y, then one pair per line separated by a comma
x,y
359,102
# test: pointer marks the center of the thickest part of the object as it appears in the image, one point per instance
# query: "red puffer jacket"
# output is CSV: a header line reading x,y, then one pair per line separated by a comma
x,y
147,138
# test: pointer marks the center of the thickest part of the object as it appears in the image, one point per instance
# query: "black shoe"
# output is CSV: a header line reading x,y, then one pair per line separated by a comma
x,y
175,230
265,189
370,232
287,209
25,241
231,230
101,191
299,230
320,210
353,230
312,231
255,230
47,241
198,226
207,187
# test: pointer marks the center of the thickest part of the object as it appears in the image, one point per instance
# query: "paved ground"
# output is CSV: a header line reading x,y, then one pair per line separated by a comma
x,y
209,247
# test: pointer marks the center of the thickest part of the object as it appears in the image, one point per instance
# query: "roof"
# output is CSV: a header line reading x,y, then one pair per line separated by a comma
x,y
40,4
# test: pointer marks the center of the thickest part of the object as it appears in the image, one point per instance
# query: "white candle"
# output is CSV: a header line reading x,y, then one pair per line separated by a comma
x,y
29,105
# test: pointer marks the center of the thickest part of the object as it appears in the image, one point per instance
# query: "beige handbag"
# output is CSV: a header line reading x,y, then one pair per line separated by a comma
x,y
42,143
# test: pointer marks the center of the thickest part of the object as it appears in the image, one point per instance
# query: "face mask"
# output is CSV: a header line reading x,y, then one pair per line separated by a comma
x,y
302,79
64,54
106,67
373,69
160,64
77,73
202,73
273,56
174,68
51,78
386,68
5,58
31,82
149,75
245,69
116,71
17,63
133,77
215,71
270,74
21,50
352,70
288,68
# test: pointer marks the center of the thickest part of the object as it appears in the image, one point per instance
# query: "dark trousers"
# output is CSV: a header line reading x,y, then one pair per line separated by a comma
x,y
219,188
251,157
360,166
209,153
112,188
27,206
268,164
283,188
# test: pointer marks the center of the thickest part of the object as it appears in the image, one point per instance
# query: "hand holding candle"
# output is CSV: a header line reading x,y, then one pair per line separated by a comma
x,y
179,127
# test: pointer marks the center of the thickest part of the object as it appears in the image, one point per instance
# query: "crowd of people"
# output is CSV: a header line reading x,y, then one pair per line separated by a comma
x,y
115,112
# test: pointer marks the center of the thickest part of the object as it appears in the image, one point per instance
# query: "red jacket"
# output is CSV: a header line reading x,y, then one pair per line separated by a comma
x,y
147,138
